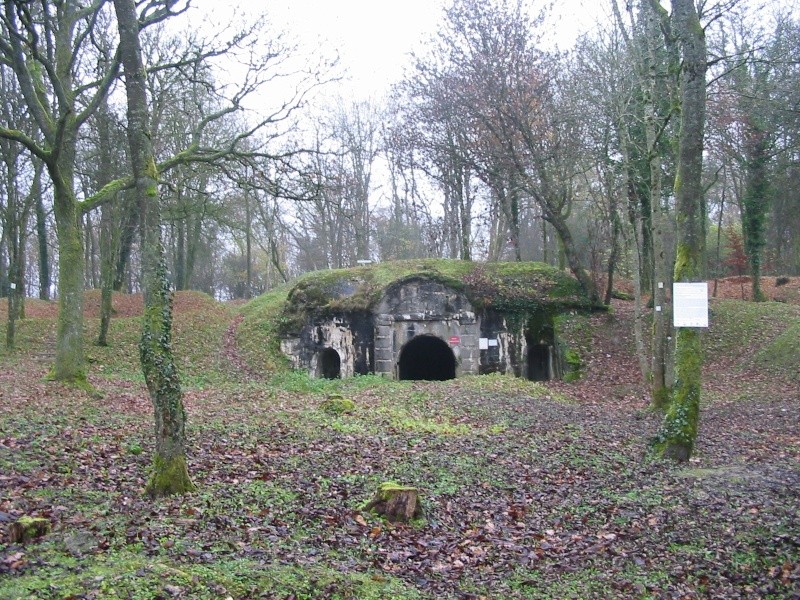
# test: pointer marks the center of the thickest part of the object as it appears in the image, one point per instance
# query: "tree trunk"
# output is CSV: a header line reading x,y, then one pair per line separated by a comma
x,y
107,261
660,218
573,258
660,386
248,233
170,474
69,364
41,236
678,432
396,503
12,226
130,216
639,251
616,228
756,200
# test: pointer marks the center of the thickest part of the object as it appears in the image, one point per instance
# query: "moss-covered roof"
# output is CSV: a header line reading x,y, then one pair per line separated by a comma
x,y
505,286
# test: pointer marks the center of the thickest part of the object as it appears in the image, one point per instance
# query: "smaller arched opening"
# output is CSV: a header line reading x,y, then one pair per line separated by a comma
x,y
330,364
539,362
426,357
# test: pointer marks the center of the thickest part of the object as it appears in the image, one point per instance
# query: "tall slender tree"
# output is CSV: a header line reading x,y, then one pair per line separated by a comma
x,y
170,474
678,432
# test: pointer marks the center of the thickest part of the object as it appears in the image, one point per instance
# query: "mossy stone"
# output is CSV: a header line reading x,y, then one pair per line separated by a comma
x,y
337,405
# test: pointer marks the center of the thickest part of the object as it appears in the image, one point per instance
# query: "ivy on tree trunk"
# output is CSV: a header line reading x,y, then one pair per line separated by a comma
x,y
170,474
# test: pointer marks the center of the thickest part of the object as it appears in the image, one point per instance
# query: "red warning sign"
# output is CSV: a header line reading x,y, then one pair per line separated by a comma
x,y
455,340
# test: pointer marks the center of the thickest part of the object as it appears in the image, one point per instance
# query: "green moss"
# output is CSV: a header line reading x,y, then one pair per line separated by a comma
x,y
504,285
170,476
573,362
27,528
395,502
337,405
675,439
76,379
661,398
386,489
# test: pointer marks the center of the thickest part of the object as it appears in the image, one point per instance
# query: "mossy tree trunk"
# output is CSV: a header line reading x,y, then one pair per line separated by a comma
x,y
109,229
69,364
755,203
677,435
170,474
42,47
44,249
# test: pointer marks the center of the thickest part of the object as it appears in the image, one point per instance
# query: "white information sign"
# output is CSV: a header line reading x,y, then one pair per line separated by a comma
x,y
492,343
483,343
690,304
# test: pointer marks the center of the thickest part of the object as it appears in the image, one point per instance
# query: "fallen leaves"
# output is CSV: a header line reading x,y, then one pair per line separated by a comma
x,y
531,498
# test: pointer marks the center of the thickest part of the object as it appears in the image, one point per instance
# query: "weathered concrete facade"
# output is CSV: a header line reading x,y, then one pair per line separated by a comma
x,y
423,329
425,308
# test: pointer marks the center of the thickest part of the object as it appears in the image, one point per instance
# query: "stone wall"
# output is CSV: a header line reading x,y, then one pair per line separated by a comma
x,y
350,335
423,307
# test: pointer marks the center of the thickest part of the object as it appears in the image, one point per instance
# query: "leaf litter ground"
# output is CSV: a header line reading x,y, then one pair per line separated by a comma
x,y
529,491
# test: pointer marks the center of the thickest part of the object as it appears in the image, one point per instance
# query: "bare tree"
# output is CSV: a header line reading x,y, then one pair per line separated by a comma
x,y
507,95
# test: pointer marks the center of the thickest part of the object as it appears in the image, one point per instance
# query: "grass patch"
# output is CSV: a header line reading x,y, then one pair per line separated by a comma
x,y
767,331
130,575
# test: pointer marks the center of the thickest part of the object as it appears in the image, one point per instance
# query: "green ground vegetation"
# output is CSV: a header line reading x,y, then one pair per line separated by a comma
x,y
529,492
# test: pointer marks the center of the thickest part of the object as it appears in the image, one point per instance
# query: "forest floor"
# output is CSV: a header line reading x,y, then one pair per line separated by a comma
x,y
529,490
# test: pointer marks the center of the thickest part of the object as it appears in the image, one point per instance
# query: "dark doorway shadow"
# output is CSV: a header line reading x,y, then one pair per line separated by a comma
x,y
428,358
330,364
539,362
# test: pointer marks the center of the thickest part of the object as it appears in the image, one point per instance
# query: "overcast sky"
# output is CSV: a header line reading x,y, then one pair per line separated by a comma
x,y
374,37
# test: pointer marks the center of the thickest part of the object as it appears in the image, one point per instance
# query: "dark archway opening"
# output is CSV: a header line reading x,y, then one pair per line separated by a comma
x,y
428,358
330,365
539,362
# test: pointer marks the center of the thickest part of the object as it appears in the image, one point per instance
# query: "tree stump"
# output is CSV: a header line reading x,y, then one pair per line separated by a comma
x,y
396,503
27,528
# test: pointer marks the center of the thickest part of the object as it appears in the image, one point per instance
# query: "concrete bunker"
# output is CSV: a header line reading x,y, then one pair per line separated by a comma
x,y
426,357
433,320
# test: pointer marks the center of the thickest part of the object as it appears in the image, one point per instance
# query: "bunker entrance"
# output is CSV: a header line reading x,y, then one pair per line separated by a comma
x,y
330,364
428,358
539,362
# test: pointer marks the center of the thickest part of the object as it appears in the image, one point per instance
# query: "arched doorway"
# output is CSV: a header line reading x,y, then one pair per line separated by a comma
x,y
330,364
428,358
539,362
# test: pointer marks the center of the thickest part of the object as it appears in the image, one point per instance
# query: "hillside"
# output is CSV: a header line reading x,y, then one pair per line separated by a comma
x,y
529,490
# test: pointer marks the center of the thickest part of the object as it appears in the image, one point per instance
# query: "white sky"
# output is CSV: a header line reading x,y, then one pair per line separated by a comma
x,y
374,37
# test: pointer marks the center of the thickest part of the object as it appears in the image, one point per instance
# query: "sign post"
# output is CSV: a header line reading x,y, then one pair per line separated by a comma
x,y
690,304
